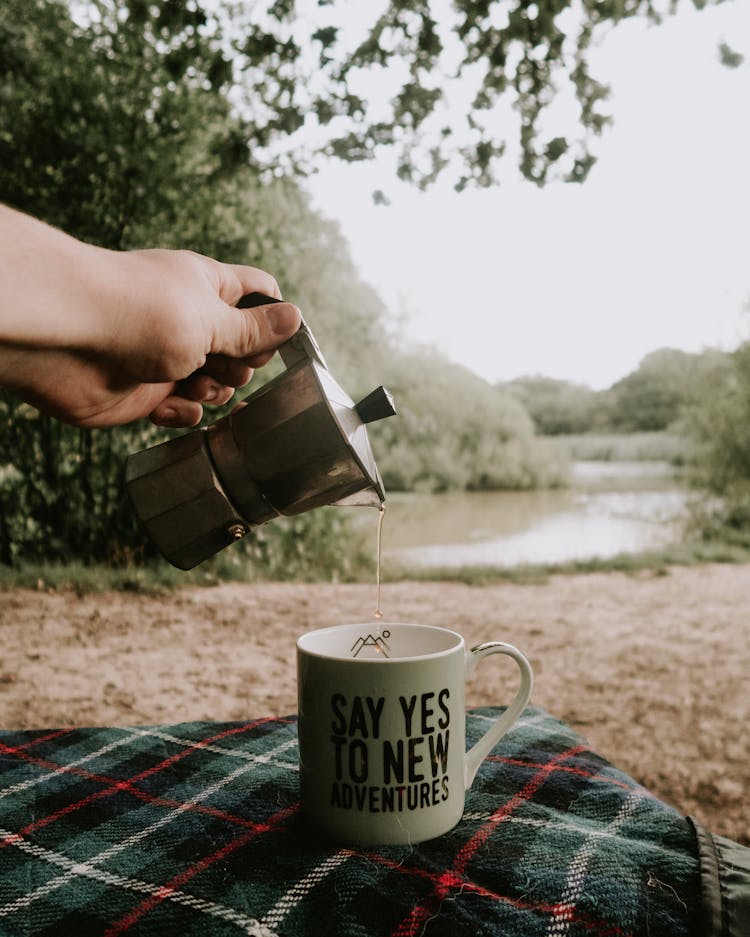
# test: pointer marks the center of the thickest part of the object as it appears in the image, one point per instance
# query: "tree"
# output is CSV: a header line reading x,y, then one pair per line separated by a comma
x,y
114,130
558,406
652,397
718,424
453,90
443,84
195,89
456,431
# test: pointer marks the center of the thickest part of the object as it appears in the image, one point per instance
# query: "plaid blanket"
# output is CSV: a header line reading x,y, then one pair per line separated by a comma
x,y
195,829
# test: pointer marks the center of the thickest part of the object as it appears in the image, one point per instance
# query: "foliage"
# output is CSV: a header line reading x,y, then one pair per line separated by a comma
x,y
317,546
303,86
311,260
520,59
650,399
728,57
718,424
155,580
620,447
60,489
455,431
114,130
558,406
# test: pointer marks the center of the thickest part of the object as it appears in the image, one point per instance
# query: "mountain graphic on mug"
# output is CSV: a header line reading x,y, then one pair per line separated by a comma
x,y
377,642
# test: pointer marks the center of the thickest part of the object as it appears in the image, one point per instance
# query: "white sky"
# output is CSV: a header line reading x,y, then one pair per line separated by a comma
x,y
580,282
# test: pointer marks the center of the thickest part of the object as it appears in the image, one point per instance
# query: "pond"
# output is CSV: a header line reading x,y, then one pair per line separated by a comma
x,y
610,508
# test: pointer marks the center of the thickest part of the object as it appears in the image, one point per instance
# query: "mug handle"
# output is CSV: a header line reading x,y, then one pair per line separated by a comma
x,y
478,752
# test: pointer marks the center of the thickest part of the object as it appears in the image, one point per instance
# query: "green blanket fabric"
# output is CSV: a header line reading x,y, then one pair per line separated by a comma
x,y
195,829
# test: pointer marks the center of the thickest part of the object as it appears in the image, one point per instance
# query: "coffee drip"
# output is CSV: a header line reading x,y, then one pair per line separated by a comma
x,y
378,610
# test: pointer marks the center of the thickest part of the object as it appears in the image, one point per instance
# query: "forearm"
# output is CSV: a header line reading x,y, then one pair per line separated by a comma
x,y
57,292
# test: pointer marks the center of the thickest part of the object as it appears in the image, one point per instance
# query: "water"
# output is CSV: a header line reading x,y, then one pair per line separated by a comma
x,y
610,508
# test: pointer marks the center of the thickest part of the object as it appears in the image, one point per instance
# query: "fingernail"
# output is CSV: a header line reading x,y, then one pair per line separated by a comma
x,y
211,393
166,415
283,318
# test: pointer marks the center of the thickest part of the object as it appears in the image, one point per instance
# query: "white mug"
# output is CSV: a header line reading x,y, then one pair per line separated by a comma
x,y
382,729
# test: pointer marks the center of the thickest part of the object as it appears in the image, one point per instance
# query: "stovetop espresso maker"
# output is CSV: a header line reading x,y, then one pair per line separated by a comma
x,y
299,442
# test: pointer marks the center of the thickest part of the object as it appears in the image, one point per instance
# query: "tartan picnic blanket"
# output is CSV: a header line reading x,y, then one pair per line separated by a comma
x,y
195,829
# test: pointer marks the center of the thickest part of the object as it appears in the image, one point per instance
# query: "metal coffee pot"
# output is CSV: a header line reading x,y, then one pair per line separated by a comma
x,y
297,443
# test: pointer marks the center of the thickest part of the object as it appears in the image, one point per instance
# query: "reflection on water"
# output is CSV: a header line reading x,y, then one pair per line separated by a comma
x,y
611,508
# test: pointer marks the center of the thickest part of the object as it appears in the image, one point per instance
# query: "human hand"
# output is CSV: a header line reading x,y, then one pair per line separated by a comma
x,y
183,342
111,337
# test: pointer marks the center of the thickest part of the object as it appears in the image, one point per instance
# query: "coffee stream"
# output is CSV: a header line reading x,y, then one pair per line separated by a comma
x,y
378,610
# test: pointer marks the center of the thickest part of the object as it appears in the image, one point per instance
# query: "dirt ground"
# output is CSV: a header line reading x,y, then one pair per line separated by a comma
x,y
653,670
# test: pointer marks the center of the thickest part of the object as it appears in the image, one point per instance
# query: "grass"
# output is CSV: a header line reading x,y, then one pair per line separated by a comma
x,y
157,577
83,579
655,562
160,578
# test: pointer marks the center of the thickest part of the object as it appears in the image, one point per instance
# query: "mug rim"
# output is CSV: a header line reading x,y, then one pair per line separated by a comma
x,y
459,643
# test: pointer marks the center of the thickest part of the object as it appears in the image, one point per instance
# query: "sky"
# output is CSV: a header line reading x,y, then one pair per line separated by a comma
x,y
580,282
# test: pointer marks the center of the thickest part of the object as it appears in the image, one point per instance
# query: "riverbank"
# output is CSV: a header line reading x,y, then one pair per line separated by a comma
x,y
651,668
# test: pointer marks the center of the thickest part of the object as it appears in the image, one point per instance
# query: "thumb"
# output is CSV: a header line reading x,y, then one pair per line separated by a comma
x,y
247,332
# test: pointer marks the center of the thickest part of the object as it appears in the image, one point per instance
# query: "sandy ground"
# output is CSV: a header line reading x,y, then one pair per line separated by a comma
x,y
653,670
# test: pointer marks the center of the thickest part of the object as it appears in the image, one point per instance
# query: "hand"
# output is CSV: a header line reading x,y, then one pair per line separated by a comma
x,y
100,338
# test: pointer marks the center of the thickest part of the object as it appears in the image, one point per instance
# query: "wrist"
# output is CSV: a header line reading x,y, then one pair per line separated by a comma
x,y
57,287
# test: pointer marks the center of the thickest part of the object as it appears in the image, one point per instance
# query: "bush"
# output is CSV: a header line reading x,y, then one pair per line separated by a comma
x,y
718,425
456,431
320,545
61,493
620,447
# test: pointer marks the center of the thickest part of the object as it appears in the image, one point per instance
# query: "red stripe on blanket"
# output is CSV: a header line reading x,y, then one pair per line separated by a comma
x,y
127,785
126,922
414,922
16,749
520,763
